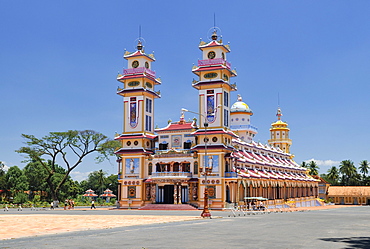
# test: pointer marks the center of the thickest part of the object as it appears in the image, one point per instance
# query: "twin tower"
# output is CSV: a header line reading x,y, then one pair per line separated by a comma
x,y
214,73
165,165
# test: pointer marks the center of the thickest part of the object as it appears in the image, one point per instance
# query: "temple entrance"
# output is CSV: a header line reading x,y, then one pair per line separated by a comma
x,y
168,194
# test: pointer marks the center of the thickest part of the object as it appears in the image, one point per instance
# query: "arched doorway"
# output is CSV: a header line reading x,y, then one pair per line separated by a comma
x,y
228,194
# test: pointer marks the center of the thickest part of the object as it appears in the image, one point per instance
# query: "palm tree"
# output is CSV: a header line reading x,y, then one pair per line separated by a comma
x,y
364,168
101,180
314,169
333,175
304,165
348,171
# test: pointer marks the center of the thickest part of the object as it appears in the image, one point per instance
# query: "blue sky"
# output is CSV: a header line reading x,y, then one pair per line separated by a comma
x,y
59,61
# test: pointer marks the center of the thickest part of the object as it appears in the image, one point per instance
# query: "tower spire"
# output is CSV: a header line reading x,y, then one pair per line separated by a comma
x,y
139,43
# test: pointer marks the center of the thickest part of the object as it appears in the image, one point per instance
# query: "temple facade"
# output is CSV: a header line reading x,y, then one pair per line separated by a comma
x,y
215,151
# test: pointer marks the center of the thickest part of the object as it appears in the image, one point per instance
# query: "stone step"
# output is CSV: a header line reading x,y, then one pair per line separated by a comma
x,y
168,207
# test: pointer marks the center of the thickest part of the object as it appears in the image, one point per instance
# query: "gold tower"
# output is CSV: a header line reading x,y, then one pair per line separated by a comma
x,y
280,134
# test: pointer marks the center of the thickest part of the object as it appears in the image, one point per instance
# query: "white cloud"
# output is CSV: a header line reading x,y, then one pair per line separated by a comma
x,y
324,163
79,176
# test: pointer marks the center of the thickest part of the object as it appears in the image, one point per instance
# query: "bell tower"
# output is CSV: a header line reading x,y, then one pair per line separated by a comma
x,y
213,84
280,134
138,138
138,92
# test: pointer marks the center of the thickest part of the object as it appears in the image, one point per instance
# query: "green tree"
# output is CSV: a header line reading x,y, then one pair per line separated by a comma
x,y
349,173
36,176
2,176
70,148
101,180
16,180
333,175
314,169
112,183
96,181
304,165
364,169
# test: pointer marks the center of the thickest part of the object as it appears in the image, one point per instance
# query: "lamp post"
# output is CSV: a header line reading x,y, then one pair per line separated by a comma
x,y
205,213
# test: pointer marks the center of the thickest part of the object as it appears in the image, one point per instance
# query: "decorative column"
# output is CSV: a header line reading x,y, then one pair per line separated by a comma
x,y
175,194
179,193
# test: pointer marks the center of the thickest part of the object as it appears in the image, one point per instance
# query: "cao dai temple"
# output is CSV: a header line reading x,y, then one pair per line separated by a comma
x,y
167,165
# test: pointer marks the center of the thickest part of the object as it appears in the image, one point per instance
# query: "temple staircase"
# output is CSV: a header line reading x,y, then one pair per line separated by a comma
x,y
168,207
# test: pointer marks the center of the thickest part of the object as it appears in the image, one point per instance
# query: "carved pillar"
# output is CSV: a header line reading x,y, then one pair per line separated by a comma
x,y
179,194
175,194
152,193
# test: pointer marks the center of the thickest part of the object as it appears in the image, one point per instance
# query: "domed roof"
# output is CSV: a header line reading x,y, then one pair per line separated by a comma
x,y
240,106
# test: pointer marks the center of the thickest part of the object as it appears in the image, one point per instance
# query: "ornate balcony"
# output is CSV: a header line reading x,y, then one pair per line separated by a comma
x,y
231,174
139,70
213,62
172,174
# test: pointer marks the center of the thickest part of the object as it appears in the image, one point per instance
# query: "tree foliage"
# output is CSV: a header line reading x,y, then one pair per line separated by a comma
x,y
349,173
2,176
69,148
98,182
333,175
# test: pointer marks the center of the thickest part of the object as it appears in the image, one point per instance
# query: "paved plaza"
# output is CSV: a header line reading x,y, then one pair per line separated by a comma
x,y
346,227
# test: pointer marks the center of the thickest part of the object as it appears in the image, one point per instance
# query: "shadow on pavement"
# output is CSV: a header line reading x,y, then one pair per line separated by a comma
x,y
352,242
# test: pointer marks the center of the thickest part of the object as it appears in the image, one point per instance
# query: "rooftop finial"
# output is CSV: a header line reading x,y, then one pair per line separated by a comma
x,y
182,118
139,43
240,97
214,35
279,114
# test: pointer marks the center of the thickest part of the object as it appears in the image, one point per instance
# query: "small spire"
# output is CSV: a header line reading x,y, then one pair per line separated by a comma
x,y
240,97
182,118
279,114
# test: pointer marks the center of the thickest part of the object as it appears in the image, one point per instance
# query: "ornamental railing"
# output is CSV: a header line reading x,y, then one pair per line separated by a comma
x,y
139,70
172,174
231,174
243,127
212,62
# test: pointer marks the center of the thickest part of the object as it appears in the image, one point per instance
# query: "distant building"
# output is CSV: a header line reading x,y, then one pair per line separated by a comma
x,y
323,187
166,165
354,195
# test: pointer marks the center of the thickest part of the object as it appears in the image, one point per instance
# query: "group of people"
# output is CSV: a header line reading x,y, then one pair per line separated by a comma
x,y
6,208
69,203
254,206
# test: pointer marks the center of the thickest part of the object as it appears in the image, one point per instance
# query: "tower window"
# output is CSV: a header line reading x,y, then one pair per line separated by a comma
x,y
135,64
148,123
150,168
163,146
226,118
148,105
226,99
187,145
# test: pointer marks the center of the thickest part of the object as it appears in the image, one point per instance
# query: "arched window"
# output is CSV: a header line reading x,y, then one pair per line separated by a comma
x,y
150,168
195,168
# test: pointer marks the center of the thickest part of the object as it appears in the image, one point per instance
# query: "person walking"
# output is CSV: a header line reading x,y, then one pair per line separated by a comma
x,y
51,205
20,207
93,204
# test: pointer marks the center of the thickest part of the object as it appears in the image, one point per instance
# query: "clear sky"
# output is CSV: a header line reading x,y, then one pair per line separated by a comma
x,y
59,61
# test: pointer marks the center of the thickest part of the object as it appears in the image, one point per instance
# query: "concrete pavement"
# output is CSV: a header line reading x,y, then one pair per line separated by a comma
x,y
347,227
